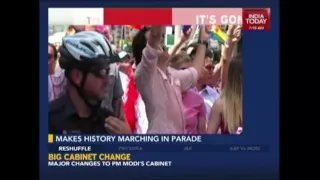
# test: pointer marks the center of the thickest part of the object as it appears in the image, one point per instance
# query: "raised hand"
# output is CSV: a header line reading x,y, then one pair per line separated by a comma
x,y
234,32
231,28
186,35
155,36
204,36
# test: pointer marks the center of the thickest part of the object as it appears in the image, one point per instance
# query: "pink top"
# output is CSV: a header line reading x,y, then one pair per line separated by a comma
x,y
56,85
161,93
194,108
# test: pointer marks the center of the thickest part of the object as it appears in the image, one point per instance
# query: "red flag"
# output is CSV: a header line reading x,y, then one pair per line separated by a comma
x,y
129,105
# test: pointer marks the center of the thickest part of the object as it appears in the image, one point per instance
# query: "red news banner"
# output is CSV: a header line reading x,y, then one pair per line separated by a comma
x,y
249,18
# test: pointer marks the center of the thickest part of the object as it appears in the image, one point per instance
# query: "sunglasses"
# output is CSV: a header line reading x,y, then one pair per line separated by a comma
x,y
100,72
209,67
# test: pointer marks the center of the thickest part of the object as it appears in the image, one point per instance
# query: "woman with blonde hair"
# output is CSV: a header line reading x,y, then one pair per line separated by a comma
x,y
194,109
226,113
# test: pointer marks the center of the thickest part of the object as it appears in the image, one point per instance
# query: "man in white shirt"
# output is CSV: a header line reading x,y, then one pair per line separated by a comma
x,y
140,109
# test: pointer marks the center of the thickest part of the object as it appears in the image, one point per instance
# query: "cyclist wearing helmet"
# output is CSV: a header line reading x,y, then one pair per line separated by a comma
x,y
85,56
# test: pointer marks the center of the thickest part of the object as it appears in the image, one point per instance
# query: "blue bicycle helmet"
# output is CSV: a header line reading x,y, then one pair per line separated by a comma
x,y
85,49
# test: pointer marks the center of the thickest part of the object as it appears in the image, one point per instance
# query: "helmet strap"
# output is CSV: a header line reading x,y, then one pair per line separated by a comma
x,y
80,89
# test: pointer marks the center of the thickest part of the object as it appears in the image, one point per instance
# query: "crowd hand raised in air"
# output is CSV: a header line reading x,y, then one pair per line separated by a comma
x,y
204,33
117,126
155,36
185,37
233,36
155,42
198,62
234,32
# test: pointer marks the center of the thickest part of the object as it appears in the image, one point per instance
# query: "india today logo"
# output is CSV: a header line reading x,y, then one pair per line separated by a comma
x,y
256,19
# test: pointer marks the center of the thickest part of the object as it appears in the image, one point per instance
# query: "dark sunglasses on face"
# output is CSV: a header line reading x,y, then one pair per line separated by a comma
x,y
101,72
209,67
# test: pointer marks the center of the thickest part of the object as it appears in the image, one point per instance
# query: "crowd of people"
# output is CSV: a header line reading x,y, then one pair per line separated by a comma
x,y
95,88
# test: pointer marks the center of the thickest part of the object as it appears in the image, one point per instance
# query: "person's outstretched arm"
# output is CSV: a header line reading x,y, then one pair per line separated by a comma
x,y
147,67
233,36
